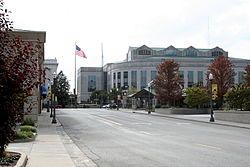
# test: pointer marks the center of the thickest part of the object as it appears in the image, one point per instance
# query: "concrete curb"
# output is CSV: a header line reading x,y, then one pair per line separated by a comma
x,y
22,160
78,157
168,116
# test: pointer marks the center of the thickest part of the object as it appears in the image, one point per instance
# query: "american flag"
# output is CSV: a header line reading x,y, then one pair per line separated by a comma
x,y
79,52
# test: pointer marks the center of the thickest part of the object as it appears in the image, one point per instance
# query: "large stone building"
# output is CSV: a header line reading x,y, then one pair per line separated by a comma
x,y
36,38
50,67
139,68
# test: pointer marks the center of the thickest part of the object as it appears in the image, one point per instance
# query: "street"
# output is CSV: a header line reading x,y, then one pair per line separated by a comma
x,y
114,138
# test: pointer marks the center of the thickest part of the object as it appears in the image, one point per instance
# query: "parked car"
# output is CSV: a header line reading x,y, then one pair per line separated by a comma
x,y
111,106
106,106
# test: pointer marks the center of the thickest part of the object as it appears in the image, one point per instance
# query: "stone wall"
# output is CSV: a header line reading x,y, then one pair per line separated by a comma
x,y
234,116
182,110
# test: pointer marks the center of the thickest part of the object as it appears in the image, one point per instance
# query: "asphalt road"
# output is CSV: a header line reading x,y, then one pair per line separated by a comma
x,y
122,139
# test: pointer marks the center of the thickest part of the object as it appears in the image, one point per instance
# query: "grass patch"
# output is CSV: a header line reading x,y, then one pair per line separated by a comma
x,y
24,134
28,128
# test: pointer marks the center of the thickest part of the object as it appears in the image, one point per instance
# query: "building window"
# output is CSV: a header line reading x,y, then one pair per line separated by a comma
x,y
240,77
125,78
190,53
153,75
144,52
181,75
114,80
91,83
143,79
200,78
114,76
134,79
171,53
190,78
216,53
119,80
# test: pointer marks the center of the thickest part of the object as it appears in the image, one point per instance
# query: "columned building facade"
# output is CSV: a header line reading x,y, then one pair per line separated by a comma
x,y
139,67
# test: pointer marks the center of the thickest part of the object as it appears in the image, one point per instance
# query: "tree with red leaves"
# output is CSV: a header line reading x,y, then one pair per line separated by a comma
x,y
18,77
247,75
223,74
166,83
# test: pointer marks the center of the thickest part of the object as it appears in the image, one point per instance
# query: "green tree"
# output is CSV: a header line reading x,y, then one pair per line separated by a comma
x,y
223,74
62,87
238,97
132,91
99,96
196,97
167,82
19,74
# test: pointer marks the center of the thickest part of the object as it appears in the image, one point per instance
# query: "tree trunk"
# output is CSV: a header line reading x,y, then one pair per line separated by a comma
x,y
2,151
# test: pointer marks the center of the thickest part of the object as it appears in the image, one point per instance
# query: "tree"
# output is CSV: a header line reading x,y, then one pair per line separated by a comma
x,y
167,86
223,74
238,97
132,91
196,96
99,96
247,75
17,80
62,89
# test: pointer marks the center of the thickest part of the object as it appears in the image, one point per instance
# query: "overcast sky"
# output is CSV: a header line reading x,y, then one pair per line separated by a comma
x,y
119,24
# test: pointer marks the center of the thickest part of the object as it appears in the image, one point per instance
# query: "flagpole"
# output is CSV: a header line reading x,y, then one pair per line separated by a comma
x,y
75,72
102,54
75,80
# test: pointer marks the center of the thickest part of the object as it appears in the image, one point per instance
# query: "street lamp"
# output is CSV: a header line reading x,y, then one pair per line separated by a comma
x,y
117,101
48,98
149,109
54,91
51,99
210,77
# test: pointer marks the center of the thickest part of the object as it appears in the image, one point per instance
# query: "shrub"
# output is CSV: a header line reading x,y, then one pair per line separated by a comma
x,y
24,134
196,97
28,121
238,97
28,128
21,135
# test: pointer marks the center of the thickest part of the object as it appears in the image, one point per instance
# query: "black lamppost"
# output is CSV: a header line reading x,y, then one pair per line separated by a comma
x,y
117,89
210,77
48,99
149,109
54,100
51,100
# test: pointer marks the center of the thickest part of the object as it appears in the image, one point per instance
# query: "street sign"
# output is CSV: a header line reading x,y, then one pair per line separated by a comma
x,y
214,89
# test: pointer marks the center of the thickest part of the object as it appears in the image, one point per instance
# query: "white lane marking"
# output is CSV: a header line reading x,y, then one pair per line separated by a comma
x,y
108,121
208,146
145,133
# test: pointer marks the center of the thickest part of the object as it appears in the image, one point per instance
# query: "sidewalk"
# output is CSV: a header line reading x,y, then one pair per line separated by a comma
x,y
203,118
52,147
